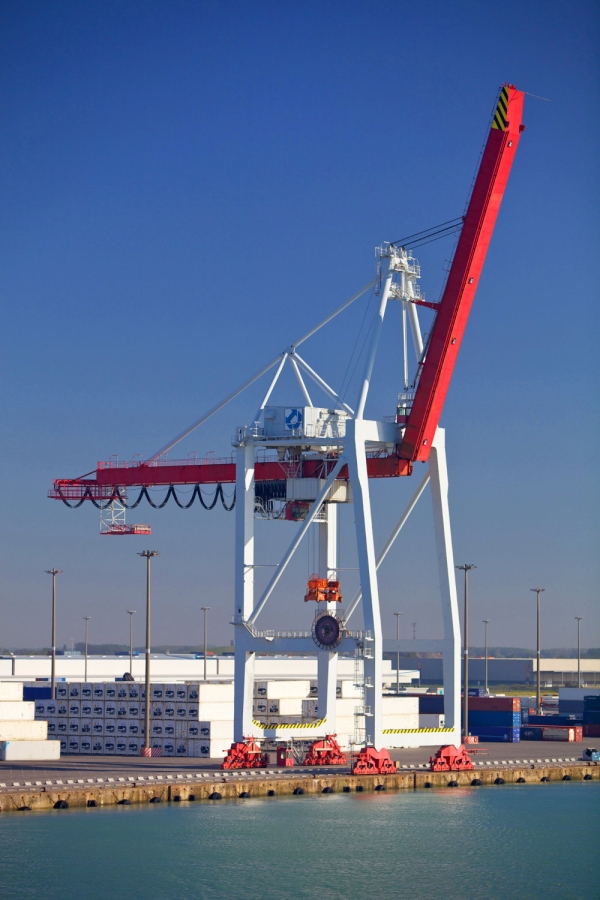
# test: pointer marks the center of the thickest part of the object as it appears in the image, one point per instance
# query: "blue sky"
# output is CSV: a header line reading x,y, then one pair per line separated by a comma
x,y
188,186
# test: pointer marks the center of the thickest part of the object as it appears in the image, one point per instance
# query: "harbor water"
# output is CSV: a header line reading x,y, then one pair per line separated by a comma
x,y
509,841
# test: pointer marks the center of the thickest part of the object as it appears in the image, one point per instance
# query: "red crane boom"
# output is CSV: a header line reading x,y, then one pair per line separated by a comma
x,y
451,320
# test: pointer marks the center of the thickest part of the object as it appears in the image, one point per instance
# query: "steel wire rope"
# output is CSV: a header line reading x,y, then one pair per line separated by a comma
x,y
428,231
344,386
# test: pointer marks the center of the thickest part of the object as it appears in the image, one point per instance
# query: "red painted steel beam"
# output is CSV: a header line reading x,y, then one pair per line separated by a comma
x,y
454,308
140,475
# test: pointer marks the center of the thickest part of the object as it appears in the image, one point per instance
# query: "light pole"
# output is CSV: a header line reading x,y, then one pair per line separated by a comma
x,y
486,622
538,697
54,573
147,554
205,609
87,619
466,569
398,614
131,613
579,618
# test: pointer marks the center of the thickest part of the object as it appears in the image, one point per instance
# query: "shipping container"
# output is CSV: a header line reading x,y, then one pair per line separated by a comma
x,y
591,717
13,710
110,726
86,690
591,730
170,692
169,709
133,727
110,709
133,691
74,691
110,690
122,692
122,727
496,733
494,717
86,726
98,690
86,709
97,727
495,704
29,750
29,692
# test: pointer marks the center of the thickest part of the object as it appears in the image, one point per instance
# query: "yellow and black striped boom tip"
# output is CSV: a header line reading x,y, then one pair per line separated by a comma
x,y
499,121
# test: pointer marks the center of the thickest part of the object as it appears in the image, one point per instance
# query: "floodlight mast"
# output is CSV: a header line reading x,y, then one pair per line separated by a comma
x,y
323,457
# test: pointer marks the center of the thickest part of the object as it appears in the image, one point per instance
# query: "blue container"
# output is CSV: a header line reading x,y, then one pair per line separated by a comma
x,y
36,693
532,733
554,720
491,717
591,703
496,733
477,692
431,703
591,717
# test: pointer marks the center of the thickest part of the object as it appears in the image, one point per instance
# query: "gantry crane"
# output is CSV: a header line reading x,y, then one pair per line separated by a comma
x,y
312,458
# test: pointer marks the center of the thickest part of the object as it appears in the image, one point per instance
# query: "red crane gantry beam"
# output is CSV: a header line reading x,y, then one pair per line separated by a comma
x,y
455,305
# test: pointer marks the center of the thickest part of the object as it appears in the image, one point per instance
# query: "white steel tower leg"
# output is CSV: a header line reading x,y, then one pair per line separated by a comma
x,y
443,539
244,590
357,466
327,662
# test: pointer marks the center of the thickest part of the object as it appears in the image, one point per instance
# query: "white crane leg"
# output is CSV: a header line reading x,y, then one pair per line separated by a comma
x,y
326,661
443,540
244,591
357,466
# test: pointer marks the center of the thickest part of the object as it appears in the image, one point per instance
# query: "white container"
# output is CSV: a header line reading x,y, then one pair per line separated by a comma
x,y
349,690
169,728
156,710
74,690
86,726
406,720
181,729
87,709
310,709
133,709
193,694
62,691
170,692
52,729
122,691
133,746
157,744
217,730
74,726
195,748
431,720
85,744
98,727
169,747
169,709
193,729
181,747
73,745
86,690
62,725
121,746
98,708
11,710
399,705
260,707
157,692
110,690
74,709
98,745
11,690
181,710
98,690
181,693
110,727
209,711
156,728
133,691
22,730
214,692
122,709
193,710
133,728
122,728
29,750
62,708
110,709
63,745
280,690
109,746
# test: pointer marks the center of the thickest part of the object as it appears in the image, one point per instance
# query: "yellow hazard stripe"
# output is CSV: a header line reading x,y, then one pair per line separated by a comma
x,y
499,121
277,726
417,730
